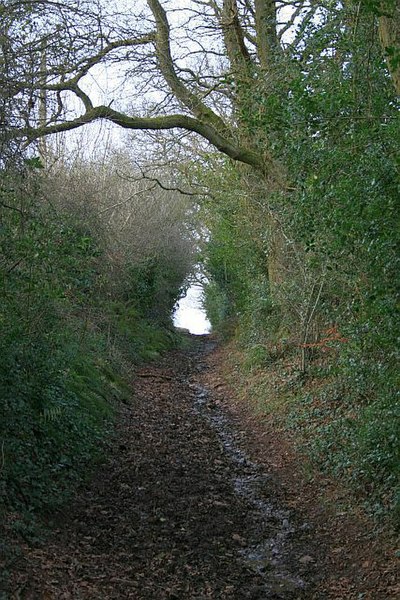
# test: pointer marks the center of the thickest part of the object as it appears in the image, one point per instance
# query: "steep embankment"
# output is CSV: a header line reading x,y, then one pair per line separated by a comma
x,y
189,505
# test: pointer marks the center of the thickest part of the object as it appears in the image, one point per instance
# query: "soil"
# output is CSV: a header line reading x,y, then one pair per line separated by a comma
x,y
198,498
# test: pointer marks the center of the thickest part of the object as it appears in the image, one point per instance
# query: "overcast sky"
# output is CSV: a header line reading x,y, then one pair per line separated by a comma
x,y
190,313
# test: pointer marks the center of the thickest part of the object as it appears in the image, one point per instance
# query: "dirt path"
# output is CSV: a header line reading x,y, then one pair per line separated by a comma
x,y
178,511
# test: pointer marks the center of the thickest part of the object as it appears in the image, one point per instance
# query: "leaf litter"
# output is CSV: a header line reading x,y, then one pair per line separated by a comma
x,y
179,509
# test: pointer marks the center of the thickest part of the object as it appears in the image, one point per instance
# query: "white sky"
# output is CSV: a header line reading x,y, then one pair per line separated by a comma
x,y
190,314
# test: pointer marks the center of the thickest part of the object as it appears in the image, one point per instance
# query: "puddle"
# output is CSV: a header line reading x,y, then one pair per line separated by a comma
x,y
269,550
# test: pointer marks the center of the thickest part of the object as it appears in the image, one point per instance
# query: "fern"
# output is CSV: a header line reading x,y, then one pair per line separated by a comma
x,y
52,414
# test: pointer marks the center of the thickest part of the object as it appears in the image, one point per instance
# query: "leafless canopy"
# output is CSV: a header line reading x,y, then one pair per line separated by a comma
x,y
176,64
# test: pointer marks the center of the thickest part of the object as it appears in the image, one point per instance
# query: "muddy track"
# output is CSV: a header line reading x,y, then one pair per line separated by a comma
x,y
178,511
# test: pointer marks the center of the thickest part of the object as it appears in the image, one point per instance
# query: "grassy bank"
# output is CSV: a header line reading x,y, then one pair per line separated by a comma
x,y
78,310
356,446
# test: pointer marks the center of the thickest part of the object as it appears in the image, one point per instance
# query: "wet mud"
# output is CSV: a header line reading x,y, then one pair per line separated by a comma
x,y
269,549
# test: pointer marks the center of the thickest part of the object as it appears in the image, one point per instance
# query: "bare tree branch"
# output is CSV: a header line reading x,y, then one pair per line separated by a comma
x,y
166,64
157,182
208,132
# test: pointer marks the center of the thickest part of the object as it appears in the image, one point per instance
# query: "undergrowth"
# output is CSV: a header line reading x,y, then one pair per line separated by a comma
x,y
358,445
73,323
305,278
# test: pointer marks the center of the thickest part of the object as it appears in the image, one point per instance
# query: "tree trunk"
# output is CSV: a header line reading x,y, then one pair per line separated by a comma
x,y
389,33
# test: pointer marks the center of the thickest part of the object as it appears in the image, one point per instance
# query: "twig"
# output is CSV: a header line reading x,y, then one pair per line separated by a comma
x,y
19,210
14,265
3,458
155,376
308,320
123,201
157,182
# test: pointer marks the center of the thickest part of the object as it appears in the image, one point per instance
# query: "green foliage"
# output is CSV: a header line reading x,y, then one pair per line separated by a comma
x,y
334,124
53,411
67,340
154,286
217,307
358,443
140,337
